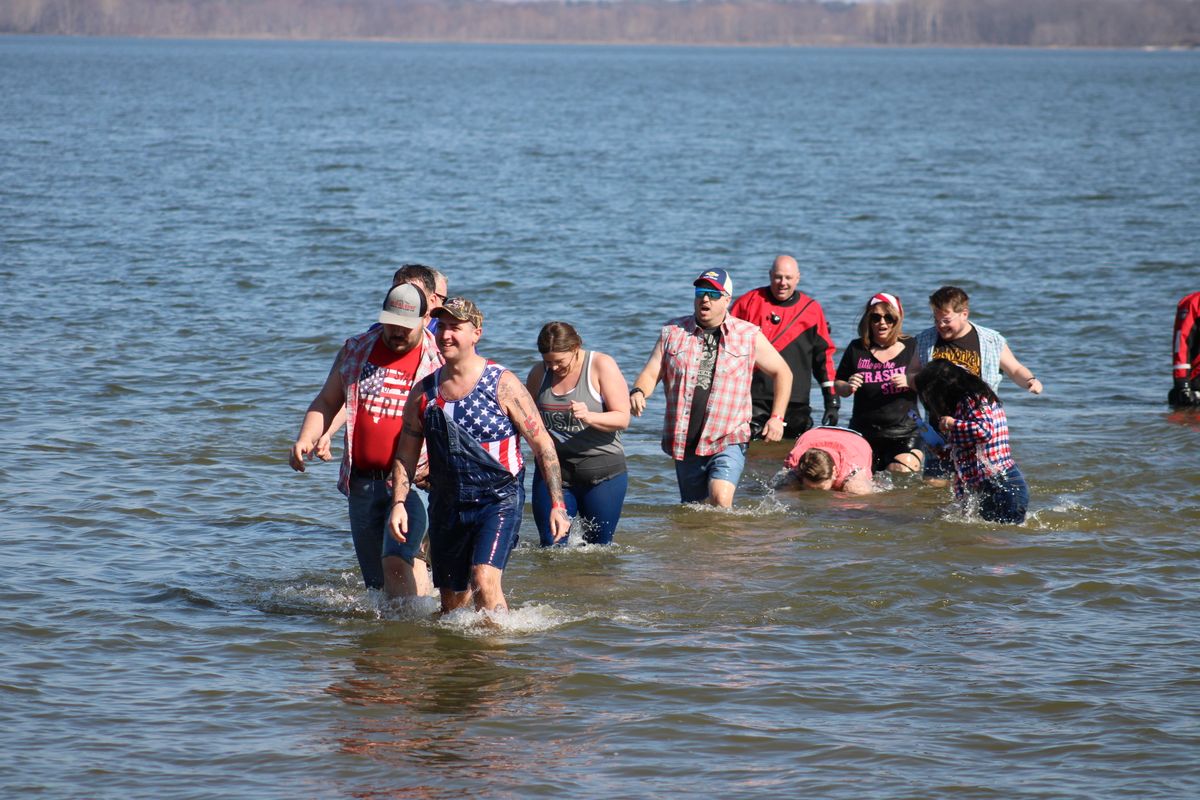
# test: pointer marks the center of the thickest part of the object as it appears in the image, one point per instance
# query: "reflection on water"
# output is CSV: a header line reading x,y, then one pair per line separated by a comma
x,y
1188,417
426,700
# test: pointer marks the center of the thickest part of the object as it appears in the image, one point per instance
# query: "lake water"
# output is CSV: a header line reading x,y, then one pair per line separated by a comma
x,y
188,231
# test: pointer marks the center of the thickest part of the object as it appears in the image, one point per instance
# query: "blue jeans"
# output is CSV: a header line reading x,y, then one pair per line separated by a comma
x,y
599,504
1005,498
694,472
370,505
937,466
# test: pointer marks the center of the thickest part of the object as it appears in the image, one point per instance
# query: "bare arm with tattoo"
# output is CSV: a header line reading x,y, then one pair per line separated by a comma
x,y
404,465
518,404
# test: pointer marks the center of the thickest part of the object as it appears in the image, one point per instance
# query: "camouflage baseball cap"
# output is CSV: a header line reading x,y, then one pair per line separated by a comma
x,y
460,308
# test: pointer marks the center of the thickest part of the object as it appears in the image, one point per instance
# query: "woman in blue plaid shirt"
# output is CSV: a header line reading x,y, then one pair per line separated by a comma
x,y
973,422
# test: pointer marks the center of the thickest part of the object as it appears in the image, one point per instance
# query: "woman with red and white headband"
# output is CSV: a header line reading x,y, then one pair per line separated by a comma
x,y
874,369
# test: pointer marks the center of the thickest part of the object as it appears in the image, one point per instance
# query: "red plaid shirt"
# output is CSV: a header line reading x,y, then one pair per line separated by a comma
x,y
728,418
354,354
978,443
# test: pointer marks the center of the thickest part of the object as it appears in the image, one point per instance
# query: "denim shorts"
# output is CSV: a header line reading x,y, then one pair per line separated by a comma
x,y
938,465
370,506
694,472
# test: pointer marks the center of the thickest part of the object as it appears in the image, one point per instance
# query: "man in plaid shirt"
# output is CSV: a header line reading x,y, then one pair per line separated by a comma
x,y
706,361
368,386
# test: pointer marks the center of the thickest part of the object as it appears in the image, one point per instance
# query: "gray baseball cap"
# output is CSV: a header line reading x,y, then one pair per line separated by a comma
x,y
404,306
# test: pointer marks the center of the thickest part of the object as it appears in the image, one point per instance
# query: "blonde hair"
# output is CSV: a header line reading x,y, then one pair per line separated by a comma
x,y
864,324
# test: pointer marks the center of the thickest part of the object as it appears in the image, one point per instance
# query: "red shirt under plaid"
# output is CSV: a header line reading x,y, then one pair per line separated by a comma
x,y
353,356
728,419
978,443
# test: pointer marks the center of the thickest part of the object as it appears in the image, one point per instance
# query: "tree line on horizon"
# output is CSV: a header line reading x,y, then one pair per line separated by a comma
x,y
1016,23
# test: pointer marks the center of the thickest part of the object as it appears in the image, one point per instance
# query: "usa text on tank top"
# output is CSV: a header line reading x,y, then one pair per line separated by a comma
x,y
573,439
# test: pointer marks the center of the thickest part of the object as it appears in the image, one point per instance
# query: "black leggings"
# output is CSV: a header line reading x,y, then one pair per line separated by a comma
x,y
885,449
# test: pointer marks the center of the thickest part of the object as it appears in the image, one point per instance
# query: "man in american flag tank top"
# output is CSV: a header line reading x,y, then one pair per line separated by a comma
x,y
470,414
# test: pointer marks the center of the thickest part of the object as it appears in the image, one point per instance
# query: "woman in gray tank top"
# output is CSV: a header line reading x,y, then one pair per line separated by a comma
x,y
584,402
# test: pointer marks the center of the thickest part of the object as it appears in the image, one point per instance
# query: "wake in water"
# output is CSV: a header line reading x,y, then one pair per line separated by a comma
x,y
880,482
339,594
533,618
342,595
756,498
966,510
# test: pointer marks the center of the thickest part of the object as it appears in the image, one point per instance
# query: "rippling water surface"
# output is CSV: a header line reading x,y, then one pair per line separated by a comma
x,y
189,230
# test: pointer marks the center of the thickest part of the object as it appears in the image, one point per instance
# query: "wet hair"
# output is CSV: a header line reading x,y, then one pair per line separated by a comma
x,y
864,324
942,385
815,466
558,337
950,297
423,276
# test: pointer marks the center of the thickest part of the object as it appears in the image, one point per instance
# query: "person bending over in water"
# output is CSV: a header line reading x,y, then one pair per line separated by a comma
x,y
831,459
584,402
972,420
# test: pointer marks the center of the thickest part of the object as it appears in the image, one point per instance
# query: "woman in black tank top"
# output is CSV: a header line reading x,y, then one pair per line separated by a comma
x,y
874,369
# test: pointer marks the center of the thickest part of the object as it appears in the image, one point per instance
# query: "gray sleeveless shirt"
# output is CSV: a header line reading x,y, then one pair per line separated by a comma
x,y
586,455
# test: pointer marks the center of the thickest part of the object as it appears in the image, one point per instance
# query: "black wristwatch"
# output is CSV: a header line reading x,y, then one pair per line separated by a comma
x,y
636,390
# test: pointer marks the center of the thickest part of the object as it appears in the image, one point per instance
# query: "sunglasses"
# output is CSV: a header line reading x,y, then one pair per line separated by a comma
x,y
711,294
881,317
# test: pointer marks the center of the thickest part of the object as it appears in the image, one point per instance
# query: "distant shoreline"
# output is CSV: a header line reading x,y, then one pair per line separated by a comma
x,y
1038,24
716,44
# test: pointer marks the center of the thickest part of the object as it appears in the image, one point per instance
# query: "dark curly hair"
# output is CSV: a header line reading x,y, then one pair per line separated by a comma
x,y
942,385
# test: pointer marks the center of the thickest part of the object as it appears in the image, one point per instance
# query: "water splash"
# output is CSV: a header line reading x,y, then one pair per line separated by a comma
x,y
533,618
